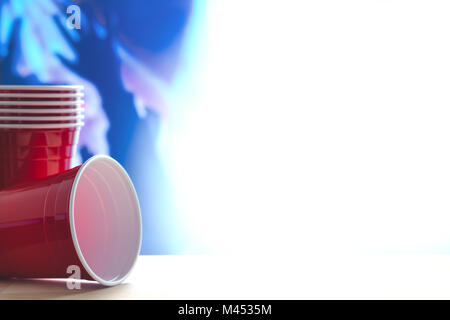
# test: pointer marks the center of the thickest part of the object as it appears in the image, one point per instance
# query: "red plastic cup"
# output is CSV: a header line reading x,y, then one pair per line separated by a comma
x,y
88,217
42,120
40,89
41,112
25,118
41,104
42,97
36,152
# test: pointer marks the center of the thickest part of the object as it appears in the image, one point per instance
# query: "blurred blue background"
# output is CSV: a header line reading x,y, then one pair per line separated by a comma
x,y
127,55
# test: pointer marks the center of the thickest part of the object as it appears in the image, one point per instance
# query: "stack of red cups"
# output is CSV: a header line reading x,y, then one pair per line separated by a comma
x,y
55,218
39,128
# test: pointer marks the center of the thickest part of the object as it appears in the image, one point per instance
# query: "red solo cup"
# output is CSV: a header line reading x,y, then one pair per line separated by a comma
x,y
40,104
39,100
27,118
21,119
88,217
40,123
35,151
40,89
21,171
41,112
39,153
41,97
41,126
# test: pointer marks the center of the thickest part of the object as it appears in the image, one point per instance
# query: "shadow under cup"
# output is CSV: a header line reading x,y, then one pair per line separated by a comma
x,y
88,217
30,154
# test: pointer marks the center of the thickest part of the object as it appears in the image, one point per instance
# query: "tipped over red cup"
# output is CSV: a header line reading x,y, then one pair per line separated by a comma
x,y
88,217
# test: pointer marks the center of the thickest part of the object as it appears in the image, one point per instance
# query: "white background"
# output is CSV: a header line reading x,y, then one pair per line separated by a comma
x,y
314,126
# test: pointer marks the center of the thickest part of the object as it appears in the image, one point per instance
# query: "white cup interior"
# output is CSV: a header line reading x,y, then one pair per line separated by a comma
x,y
105,220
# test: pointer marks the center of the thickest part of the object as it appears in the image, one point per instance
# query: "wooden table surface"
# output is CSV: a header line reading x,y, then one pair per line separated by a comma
x,y
271,277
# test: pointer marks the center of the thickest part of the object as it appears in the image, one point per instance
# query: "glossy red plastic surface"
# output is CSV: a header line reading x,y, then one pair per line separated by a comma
x,y
27,155
35,237
25,121
30,90
38,99
41,114
44,105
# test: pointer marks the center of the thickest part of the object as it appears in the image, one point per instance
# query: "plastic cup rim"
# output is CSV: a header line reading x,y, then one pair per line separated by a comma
x,y
72,221
42,103
36,111
31,108
45,118
41,95
42,126
41,87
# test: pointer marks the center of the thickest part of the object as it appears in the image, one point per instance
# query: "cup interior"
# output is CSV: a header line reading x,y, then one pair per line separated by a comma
x,y
105,220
